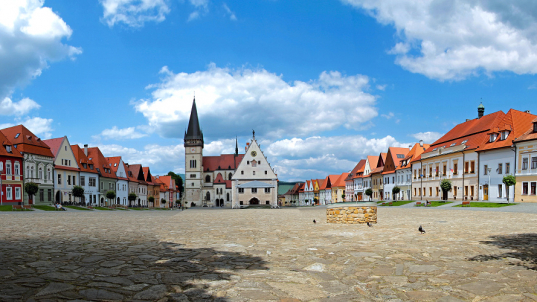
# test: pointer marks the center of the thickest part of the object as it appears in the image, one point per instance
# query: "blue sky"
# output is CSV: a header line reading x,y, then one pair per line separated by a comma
x,y
323,83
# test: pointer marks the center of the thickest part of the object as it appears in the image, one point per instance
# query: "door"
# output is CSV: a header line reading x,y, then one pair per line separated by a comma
x,y
486,192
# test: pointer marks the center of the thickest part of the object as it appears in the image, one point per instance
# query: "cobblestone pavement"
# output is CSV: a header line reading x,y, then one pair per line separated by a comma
x,y
267,255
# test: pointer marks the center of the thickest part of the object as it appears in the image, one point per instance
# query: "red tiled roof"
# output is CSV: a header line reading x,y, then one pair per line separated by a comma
x,y
517,122
115,162
340,182
221,162
528,135
321,182
81,159
301,188
26,141
147,176
394,152
355,171
136,174
377,170
329,182
373,161
54,144
220,180
168,181
6,142
100,163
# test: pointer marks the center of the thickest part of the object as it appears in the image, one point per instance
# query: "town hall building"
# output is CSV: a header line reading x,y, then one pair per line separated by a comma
x,y
228,180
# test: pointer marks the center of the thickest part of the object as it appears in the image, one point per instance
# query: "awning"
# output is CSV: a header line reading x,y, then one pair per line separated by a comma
x,y
255,184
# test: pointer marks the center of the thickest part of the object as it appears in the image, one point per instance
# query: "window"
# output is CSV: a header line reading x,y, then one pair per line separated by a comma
x,y
82,180
193,164
16,168
247,162
241,190
59,179
18,193
493,137
455,168
254,163
472,167
253,172
69,179
466,190
485,170
74,180
444,170
472,190
208,178
534,127
267,190
430,191
17,135
525,164
254,190
415,192
266,172
505,134
9,193
500,168
533,187
92,182
8,149
65,148
229,177
8,167
437,191
524,188
41,195
454,190
49,195
436,171
507,168
431,172
466,167
192,175
242,172
40,173
533,163
102,186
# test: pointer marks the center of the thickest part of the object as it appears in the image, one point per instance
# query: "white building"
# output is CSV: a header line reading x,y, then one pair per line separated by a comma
x,y
89,176
122,185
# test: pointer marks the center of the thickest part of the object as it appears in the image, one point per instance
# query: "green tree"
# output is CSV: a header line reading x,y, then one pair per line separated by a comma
x,y
163,201
178,181
31,189
132,196
78,191
445,185
395,191
508,180
369,193
111,195
151,199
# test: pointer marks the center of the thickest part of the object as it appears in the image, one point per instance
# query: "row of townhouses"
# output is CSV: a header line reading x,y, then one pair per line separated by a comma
x,y
474,156
57,167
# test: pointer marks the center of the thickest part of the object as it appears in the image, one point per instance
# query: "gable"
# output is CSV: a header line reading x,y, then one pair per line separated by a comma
x,y
65,156
254,165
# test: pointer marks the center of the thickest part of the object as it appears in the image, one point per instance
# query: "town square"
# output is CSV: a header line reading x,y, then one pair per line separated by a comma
x,y
225,150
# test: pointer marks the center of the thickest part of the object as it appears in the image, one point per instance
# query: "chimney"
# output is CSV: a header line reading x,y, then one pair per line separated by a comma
x,y
409,147
421,143
86,149
527,111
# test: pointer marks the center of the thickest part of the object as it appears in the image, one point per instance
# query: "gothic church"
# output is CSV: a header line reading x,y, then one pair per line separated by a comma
x,y
229,180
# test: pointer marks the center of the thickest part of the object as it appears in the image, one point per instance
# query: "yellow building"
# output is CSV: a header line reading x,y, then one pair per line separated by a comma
x,y
338,188
376,178
526,166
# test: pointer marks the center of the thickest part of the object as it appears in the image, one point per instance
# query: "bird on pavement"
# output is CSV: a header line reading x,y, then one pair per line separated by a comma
x,y
421,230
369,224
314,221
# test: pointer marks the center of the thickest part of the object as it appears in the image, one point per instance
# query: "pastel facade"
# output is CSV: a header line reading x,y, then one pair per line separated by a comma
x,y
403,173
122,185
88,175
66,171
38,163
526,166
393,160
376,178
107,179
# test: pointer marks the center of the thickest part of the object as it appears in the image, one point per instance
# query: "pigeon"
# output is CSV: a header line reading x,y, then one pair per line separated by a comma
x,y
369,224
421,230
314,221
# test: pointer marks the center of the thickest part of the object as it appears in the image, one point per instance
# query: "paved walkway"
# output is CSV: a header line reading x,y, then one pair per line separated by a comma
x,y
267,255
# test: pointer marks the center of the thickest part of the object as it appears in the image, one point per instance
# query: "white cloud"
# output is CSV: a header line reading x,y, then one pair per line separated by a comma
x,y
30,37
193,16
231,101
134,13
427,137
8,107
41,127
382,87
120,134
533,86
388,116
229,12
201,7
451,40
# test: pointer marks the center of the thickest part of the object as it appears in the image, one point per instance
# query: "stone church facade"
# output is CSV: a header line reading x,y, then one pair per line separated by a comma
x,y
227,180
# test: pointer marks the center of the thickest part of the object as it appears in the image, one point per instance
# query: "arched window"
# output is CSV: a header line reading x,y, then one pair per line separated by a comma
x,y
40,173
208,196
227,197
208,178
49,176
32,172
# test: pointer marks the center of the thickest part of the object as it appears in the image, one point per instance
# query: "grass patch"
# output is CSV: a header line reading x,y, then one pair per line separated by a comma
x,y
102,208
5,208
44,207
122,209
479,204
433,203
77,208
162,209
137,209
395,203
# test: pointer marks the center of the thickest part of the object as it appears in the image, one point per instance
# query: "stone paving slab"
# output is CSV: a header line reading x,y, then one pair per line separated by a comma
x,y
267,255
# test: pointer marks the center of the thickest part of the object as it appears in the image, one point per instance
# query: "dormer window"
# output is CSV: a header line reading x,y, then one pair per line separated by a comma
x,y
505,134
17,135
435,149
8,149
535,127
464,142
452,145
493,137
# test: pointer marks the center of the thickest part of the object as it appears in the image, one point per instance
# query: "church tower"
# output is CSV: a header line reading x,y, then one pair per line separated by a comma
x,y
193,143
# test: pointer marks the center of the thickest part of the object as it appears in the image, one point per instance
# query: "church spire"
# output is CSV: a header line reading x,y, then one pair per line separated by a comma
x,y
194,135
236,147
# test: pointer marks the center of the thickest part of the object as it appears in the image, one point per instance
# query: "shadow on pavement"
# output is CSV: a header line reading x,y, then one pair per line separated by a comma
x,y
523,247
49,269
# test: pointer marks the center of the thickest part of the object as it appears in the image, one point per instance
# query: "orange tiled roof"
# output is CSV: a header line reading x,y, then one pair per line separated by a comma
x,y
377,170
341,180
301,188
373,161
517,122
354,172
321,182
26,141
528,135
147,175
329,181
394,152
6,142
221,162
416,151
114,165
473,133
82,159
136,174
101,164
54,144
